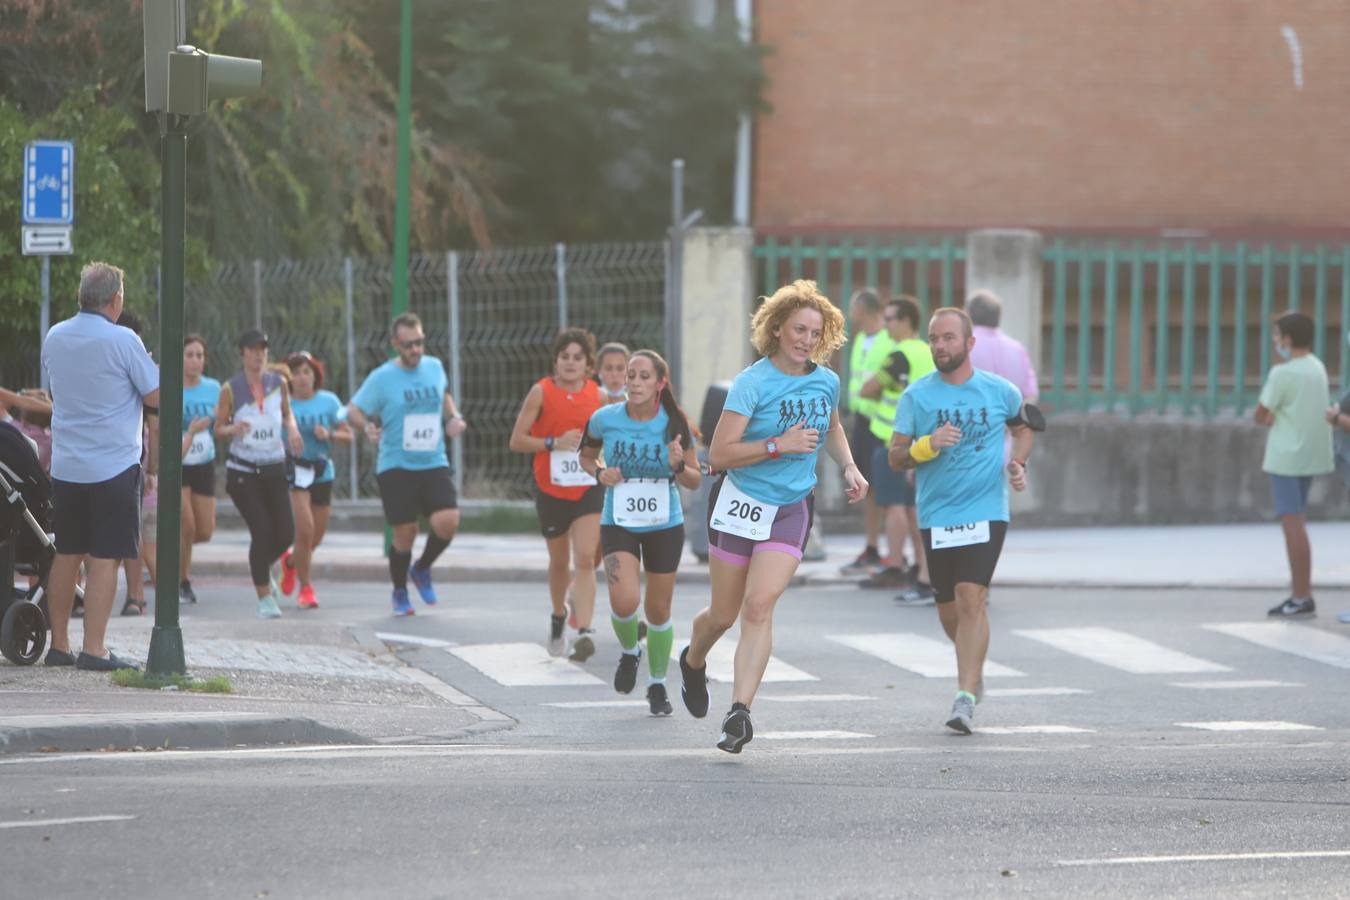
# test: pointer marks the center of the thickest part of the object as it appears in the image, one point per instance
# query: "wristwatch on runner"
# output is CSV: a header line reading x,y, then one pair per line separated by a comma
x,y
771,447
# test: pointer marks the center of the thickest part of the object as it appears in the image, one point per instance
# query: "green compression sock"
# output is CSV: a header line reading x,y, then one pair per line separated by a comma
x,y
660,638
626,630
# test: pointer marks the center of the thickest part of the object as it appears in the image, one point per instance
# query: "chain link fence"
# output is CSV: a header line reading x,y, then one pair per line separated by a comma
x,y
507,304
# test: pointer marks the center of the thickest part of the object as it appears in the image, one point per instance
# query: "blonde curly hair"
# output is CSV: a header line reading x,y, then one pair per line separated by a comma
x,y
773,313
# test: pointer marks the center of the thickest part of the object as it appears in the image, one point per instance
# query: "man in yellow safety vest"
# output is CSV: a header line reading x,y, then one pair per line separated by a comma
x,y
868,349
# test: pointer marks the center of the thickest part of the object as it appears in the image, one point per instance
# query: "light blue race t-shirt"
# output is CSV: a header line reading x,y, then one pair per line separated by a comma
x,y
638,450
397,395
200,401
773,402
965,483
325,409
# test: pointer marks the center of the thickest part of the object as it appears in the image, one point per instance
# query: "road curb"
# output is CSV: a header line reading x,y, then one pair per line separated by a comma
x,y
193,731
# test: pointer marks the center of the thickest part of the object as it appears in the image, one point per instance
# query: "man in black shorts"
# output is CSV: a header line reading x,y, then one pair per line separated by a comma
x,y
868,348
410,397
102,379
950,427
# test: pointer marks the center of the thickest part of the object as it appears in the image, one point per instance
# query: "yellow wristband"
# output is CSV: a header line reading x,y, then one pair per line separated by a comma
x,y
922,449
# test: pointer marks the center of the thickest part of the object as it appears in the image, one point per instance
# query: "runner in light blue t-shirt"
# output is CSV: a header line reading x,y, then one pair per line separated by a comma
x,y
950,426
778,414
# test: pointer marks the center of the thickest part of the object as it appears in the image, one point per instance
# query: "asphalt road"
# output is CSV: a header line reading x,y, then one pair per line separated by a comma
x,y
1137,743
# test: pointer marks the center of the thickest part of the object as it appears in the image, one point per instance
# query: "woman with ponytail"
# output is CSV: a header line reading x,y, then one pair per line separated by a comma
x,y
648,448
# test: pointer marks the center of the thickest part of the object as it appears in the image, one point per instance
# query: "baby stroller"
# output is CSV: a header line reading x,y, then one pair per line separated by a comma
x,y
26,549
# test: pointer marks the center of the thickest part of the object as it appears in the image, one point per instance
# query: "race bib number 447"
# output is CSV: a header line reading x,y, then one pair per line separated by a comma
x,y
960,535
421,432
742,515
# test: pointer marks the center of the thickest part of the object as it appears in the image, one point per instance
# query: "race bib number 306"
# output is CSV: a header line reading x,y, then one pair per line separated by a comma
x,y
949,536
741,515
641,504
564,469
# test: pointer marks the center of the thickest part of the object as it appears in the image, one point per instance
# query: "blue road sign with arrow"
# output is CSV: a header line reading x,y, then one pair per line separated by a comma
x,y
49,183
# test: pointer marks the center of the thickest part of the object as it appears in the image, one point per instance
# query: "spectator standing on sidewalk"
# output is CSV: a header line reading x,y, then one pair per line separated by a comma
x,y
1000,353
1293,406
101,379
868,350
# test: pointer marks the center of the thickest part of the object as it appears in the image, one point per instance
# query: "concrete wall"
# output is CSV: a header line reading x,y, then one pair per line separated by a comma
x,y
718,297
1008,262
1104,470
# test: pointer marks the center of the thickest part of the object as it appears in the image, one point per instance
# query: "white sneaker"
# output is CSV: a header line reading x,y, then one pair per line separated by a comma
x,y
268,609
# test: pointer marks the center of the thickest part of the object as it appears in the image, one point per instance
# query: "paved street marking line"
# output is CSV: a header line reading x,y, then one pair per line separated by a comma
x,y
1238,725
1234,685
1299,640
813,735
812,698
77,820
456,697
522,665
722,665
1033,729
594,704
1120,650
1035,692
1206,857
916,653
413,639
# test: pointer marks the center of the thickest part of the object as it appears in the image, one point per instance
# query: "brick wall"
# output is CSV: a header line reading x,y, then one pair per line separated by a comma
x,y
1117,115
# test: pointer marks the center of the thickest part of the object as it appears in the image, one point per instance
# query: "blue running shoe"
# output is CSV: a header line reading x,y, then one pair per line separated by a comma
x,y
401,605
421,578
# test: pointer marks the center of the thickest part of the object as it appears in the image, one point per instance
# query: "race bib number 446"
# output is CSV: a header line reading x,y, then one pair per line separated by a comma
x,y
960,535
741,515
564,469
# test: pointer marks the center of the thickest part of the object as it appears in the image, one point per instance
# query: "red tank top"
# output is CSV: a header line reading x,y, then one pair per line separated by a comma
x,y
561,412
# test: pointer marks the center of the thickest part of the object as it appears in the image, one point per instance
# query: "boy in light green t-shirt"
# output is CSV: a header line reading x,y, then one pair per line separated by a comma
x,y
1293,406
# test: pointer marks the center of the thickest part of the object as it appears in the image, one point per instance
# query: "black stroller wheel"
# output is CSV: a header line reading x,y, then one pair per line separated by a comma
x,y
23,633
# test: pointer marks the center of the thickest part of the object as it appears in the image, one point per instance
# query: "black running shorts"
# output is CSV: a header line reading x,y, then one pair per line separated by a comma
x,y
409,493
102,520
863,443
200,479
972,564
659,551
556,515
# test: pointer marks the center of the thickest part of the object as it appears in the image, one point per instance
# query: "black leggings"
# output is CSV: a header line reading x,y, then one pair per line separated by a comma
x,y
265,504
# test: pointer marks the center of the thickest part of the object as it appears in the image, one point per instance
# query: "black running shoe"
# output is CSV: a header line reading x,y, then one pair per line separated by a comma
x,y
736,729
625,676
658,700
1293,609
185,592
693,687
642,630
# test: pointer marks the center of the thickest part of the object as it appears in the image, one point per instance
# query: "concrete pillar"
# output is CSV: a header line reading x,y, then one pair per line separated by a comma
x,y
718,292
1008,262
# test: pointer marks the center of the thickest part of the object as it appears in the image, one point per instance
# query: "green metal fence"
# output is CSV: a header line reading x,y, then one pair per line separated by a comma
x,y
1181,328
929,268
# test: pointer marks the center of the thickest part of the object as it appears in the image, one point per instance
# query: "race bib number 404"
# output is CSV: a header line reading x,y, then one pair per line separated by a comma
x,y
741,515
564,469
949,536
641,504
421,432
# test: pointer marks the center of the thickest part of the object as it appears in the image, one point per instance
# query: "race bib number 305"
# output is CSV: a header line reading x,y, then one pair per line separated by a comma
x,y
741,515
641,504
960,535
564,469
421,432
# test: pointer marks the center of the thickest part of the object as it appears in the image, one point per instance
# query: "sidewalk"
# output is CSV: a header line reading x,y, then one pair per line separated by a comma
x,y
308,683
1192,556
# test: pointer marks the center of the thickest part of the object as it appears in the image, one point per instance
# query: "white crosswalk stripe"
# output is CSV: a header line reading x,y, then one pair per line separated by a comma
x,y
522,665
1120,650
918,654
1287,637
1248,726
722,665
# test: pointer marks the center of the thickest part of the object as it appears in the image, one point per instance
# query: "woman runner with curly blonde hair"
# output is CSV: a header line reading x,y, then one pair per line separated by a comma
x,y
778,414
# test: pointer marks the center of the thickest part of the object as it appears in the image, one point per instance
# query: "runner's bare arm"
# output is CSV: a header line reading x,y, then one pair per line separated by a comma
x,y
1263,416
341,433
293,437
836,444
521,439
871,389
1022,440
226,427
454,422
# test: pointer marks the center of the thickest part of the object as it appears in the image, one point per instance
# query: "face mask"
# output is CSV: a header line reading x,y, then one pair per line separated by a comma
x,y
1283,351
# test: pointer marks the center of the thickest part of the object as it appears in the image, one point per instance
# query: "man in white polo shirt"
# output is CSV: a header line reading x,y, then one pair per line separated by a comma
x,y
101,377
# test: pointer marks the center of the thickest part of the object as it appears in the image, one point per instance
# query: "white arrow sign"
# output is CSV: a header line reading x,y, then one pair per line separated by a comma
x,y
47,240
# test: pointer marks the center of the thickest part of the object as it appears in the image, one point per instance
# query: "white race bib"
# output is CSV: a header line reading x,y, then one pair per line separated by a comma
x,y
960,535
641,504
421,432
200,449
743,516
304,477
262,440
564,469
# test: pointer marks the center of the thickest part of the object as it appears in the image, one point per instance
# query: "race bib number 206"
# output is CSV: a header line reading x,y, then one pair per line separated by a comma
x,y
739,514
